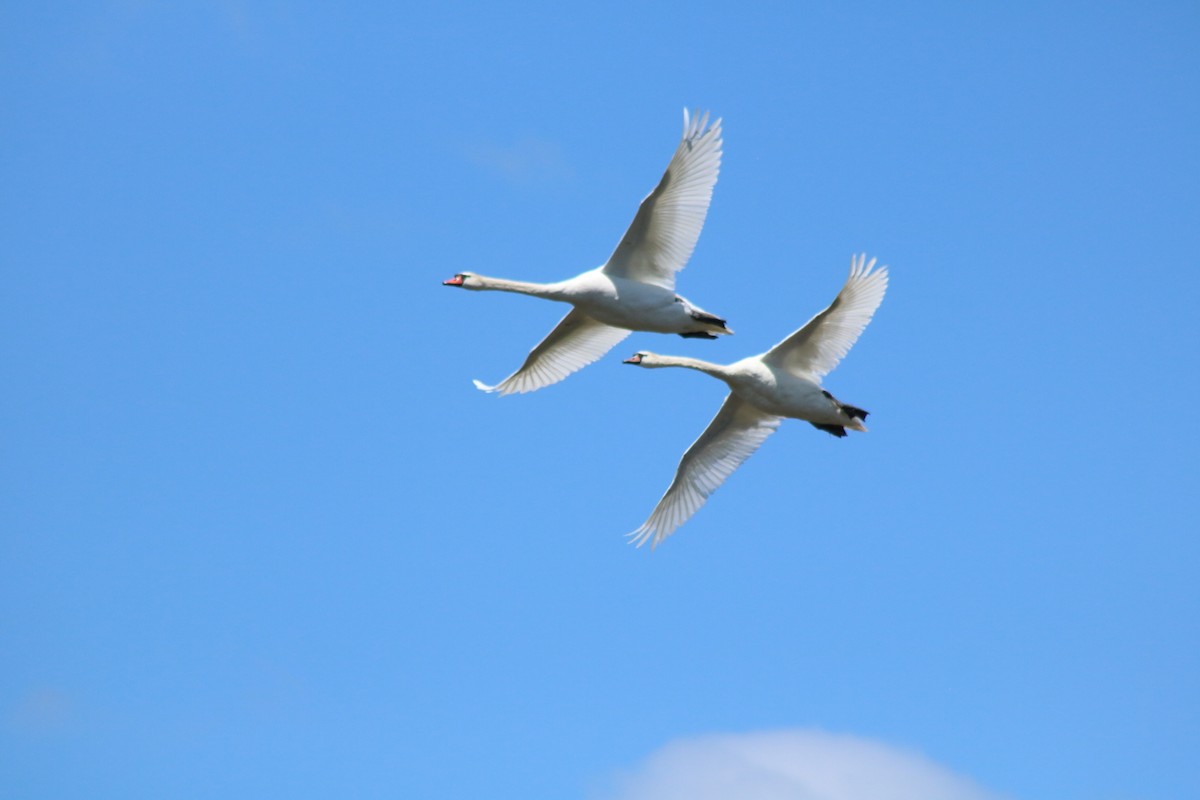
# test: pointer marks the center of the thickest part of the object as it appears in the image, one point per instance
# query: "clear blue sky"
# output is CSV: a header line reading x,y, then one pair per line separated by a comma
x,y
262,538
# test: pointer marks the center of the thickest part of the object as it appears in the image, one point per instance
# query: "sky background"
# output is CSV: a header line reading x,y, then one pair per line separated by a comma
x,y
261,537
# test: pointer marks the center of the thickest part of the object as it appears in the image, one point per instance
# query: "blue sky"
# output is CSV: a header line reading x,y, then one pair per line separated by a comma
x,y
261,536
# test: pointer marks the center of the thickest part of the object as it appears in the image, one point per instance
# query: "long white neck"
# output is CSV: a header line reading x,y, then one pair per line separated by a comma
x,y
718,371
482,283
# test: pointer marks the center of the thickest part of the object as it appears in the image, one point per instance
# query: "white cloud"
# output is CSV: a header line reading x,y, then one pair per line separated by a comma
x,y
791,765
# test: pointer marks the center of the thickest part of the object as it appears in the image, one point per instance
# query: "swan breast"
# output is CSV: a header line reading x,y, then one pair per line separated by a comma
x,y
629,304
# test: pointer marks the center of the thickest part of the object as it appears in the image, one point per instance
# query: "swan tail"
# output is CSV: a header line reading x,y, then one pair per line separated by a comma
x,y
706,323
711,322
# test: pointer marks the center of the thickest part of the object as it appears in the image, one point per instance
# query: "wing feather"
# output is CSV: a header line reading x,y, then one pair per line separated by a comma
x,y
576,341
824,340
664,231
734,434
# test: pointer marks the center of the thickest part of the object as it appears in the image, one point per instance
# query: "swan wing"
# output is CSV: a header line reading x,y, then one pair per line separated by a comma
x,y
734,434
576,341
825,339
663,234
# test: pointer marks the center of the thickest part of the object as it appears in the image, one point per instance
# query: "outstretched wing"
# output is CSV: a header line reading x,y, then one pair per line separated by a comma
x,y
825,339
576,341
734,434
663,234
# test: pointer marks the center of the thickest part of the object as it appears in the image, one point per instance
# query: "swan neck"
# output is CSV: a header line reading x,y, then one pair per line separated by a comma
x,y
547,290
707,367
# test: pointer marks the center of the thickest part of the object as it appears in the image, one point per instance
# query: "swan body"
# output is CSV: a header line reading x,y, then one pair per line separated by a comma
x,y
635,289
771,390
616,301
784,382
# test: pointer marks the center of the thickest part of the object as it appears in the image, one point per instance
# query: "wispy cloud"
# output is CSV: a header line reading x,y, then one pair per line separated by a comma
x,y
42,710
791,765
524,161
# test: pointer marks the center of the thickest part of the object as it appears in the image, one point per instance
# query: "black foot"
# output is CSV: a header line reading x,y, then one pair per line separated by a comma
x,y
698,335
854,412
836,430
850,411
711,319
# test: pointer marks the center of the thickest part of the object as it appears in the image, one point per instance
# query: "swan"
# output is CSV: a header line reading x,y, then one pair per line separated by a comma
x,y
635,289
783,382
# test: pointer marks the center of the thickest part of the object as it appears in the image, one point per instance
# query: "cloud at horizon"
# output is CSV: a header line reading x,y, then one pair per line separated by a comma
x,y
791,765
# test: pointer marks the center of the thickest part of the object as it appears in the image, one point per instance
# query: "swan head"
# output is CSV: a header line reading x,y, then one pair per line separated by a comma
x,y
467,280
643,358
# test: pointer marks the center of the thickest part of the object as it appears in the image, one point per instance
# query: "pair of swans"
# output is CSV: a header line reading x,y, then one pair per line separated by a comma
x,y
635,291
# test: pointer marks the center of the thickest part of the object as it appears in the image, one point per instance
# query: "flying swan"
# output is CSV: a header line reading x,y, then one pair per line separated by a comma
x,y
783,382
635,289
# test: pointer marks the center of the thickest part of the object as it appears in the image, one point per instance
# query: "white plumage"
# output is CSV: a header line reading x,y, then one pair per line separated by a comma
x,y
635,289
783,382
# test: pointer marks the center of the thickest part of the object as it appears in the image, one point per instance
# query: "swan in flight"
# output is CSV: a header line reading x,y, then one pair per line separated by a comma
x,y
635,289
783,382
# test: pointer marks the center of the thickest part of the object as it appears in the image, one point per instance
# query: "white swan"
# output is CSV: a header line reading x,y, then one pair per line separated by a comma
x,y
783,382
635,289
